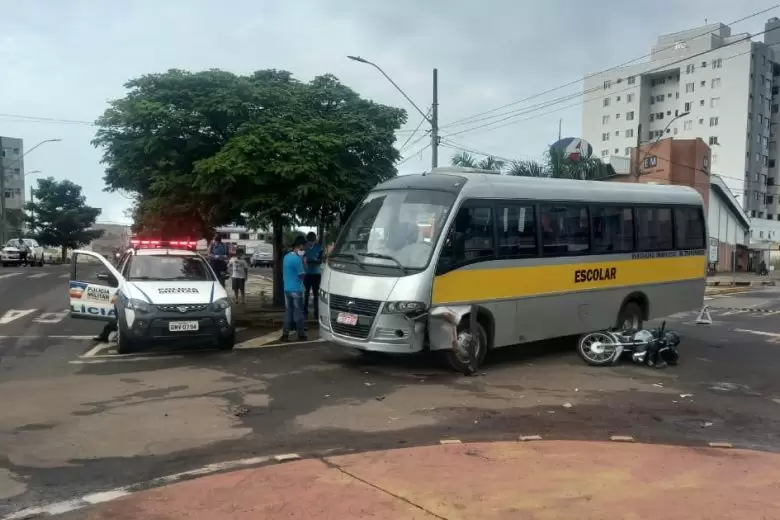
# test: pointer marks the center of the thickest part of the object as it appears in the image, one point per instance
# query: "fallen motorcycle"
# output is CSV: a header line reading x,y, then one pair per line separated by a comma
x,y
655,347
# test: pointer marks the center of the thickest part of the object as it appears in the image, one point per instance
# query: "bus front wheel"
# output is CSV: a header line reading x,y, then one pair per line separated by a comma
x,y
455,361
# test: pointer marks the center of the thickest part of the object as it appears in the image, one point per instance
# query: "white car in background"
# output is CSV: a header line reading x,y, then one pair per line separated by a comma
x,y
10,252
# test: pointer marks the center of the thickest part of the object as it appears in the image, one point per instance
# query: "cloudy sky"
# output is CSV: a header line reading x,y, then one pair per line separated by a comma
x,y
63,59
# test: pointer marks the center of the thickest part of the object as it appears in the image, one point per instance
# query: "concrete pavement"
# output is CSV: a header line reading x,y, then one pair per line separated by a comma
x,y
71,429
557,479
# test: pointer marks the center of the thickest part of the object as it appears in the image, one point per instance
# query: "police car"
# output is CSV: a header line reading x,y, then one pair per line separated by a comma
x,y
158,291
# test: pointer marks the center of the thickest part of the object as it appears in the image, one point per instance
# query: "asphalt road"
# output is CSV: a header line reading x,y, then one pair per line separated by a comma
x,y
73,423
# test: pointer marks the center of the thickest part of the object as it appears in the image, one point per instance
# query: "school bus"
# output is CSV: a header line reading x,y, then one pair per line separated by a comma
x,y
537,258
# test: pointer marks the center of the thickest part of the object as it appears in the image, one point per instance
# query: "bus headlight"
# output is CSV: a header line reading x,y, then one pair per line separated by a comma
x,y
323,297
403,307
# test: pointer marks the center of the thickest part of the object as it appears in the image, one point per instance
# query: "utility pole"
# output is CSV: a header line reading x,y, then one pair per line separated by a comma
x,y
32,211
435,121
637,172
2,192
560,124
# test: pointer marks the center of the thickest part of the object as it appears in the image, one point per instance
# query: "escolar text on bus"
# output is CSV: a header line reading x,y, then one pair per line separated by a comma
x,y
595,275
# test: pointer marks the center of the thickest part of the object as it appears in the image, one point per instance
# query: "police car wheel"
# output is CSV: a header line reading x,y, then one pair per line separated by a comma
x,y
227,343
125,344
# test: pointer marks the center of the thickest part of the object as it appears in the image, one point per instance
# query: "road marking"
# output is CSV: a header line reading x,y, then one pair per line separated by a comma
x,y
14,314
8,275
94,350
732,313
51,317
119,358
763,314
38,275
64,276
47,337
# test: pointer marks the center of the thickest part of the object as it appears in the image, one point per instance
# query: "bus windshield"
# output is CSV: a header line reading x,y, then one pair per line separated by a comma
x,y
395,228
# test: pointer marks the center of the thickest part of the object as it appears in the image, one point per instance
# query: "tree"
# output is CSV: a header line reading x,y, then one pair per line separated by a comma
x,y
466,160
203,149
61,216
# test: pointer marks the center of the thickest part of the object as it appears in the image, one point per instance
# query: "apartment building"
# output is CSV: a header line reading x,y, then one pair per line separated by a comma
x,y
13,165
700,83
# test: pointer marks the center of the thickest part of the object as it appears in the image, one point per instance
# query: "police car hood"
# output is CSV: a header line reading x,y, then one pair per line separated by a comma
x,y
162,293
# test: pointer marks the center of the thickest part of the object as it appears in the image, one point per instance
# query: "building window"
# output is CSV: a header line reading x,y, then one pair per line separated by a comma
x,y
713,121
7,194
716,64
604,120
652,117
605,136
690,68
629,98
618,98
617,133
606,102
565,230
604,153
703,84
631,80
655,230
659,98
701,120
774,109
687,106
628,151
714,158
714,102
715,83
617,151
613,230
607,84
516,231
630,116
630,132
713,140
659,115
652,100
689,87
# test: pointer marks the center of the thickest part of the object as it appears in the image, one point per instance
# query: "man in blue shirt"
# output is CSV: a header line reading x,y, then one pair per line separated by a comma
x,y
292,278
218,257
311,282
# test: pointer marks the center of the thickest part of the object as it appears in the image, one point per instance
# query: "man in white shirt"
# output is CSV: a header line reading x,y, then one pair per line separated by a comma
x,y
238,269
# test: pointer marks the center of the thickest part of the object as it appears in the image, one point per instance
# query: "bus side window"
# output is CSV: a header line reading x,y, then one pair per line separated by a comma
x,y
568,231
656,232
613,230
688,228
516,231
470,238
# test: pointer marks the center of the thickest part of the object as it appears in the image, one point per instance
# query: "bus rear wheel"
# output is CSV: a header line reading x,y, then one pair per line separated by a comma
x,y
630,317
455,361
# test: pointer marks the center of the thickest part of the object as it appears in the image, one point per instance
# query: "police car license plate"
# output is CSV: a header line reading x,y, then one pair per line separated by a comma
x,y
182,326
345,318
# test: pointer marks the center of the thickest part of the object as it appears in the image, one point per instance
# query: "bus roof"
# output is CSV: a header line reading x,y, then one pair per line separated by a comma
x,y
494,186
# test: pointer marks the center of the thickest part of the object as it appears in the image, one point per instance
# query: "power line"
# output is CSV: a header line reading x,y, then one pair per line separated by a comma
x,y
471,119
423,120
415,154
531,110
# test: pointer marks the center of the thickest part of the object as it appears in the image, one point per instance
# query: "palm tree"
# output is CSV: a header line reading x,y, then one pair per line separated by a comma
x,y
466,160
555,165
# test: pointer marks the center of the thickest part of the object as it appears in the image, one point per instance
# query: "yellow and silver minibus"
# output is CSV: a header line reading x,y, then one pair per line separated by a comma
x,y
537,258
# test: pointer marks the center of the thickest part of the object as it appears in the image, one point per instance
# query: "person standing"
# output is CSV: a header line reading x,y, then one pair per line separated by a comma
x,y
23,251
292,278
217,255
239,270
311,281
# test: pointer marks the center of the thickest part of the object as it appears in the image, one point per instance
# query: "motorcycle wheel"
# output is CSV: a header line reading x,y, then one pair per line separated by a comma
x,y
597,348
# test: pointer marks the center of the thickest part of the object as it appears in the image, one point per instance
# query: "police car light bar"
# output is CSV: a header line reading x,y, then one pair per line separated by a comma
x,y
151,244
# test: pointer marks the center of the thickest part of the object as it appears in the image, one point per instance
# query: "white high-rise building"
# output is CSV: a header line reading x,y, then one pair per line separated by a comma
x,y
705,83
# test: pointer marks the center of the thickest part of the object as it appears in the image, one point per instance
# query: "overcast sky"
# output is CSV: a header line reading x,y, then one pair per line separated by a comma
x,y
63,59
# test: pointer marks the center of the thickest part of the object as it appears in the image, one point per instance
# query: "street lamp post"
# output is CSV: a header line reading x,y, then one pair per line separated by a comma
x,y
2,181
637,170
433,120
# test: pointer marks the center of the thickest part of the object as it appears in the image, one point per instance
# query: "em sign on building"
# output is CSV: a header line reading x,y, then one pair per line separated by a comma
x,y
573,148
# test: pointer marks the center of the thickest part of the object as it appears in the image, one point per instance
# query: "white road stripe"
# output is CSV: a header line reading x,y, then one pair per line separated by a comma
x,y
64,276
759,333
38,275
43,336
14,314
94,350
8,275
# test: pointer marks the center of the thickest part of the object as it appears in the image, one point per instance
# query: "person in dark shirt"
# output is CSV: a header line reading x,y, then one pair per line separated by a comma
x,y
312,260
218,256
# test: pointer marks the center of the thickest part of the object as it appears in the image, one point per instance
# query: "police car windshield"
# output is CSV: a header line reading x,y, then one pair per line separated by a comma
x,y
168,267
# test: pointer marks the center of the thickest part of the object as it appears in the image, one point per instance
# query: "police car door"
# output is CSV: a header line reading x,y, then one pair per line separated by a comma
x,y
93,287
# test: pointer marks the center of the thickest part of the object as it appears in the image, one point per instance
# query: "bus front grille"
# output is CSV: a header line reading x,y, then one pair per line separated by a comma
x,y
365,310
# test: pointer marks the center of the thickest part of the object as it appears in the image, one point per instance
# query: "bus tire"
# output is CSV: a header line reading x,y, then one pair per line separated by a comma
x,y
630,317
454,361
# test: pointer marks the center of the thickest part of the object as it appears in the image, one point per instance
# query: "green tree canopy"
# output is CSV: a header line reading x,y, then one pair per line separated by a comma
x,y
554,165
60,215
203,149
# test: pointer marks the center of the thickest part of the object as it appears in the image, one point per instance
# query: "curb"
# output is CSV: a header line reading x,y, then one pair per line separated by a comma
x,y
764,283
102,497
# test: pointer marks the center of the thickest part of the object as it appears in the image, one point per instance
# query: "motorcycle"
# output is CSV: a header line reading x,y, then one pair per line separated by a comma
x,y
655,347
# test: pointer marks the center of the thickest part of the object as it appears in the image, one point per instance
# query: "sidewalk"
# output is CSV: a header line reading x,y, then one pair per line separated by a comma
x,y
558,480
258,310
741,279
